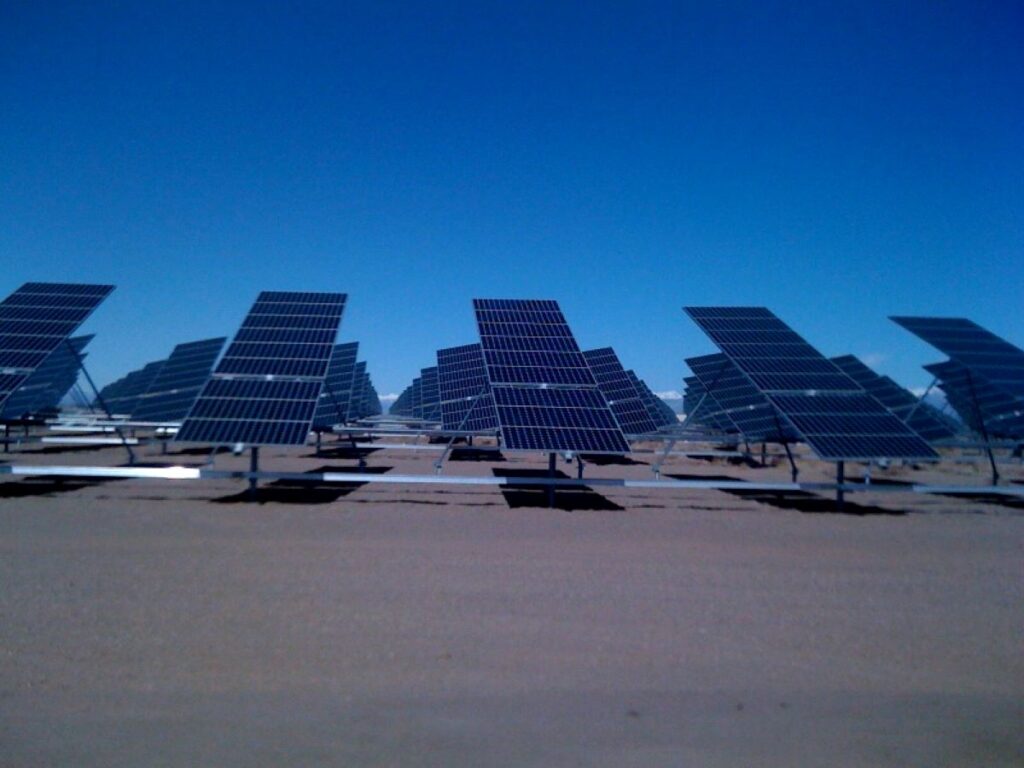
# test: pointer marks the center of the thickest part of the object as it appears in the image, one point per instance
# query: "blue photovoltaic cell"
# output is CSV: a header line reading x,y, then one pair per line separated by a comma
x,y
266,387
739,401
401,405
465,395
180,379
620,392
122,396
660,411
360,392
430,394
988,367
337,395
544,393
918,415
47,385
831,412
35,320
416,399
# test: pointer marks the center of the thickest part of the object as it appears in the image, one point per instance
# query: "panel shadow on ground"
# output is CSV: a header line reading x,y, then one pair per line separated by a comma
x,y
297,491
566,499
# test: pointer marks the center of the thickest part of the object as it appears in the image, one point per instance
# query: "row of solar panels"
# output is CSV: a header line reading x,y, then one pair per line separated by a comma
x,y
456,394
542,393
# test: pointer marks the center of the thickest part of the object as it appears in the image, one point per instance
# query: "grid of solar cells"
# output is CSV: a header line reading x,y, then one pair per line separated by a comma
x,y
372,398
832,413
416,399
660,411
919,416
544,393
466,401
35,320
266,387
179,381
335,399
46,386
359,408
981,405
989,368
739,400
122,396
401,405
430,394
620,392
702,410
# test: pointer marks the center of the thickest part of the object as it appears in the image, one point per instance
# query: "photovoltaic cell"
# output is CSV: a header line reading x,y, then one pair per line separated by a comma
x,y
335,401
178,382
620,392
465,394
832,413
266,388
660,411
544,393
122,396
984,407
416,398
35,320
47,385
430,394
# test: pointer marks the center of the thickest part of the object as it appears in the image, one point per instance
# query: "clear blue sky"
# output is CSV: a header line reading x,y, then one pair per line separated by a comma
x,y
837,162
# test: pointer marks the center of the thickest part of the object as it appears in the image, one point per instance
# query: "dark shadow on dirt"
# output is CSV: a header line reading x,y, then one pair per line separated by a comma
x,y
607,459
566,499
297,491
1010,502
467,453
50,485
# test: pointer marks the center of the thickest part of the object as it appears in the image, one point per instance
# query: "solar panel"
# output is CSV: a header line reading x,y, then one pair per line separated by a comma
x,y
122,396
265,389
336,398
620,392
739,401
360,393
35,320
988,366
702,409
982,406
430,394
401,405
46,386
178,382
832,413
919,416
660,411
416,399
545,394
465,395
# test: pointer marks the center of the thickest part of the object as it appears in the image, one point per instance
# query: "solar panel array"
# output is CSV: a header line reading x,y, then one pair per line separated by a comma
x,y
832,413
266,387
430,395
178,382
44,388
620,392
122,396
918,415
988,377
545,394
738,401
402,405
465,395
416,398
702,410
659,411
35,320
339,385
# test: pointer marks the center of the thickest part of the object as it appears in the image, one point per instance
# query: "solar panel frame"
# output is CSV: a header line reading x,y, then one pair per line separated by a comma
x,y
265,392
44,388
464,390
545,395
833,414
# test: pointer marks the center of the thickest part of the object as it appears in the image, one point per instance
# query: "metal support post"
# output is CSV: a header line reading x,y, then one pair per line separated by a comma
x,y
840,479
99,399
551,475
254,466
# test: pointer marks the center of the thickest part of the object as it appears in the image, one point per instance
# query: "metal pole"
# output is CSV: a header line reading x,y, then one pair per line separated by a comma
x,y
579,467
792,464
551,487
840,479
254,466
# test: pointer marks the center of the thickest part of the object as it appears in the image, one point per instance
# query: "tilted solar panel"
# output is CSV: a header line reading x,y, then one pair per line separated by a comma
x,y
430,394
544,392
660,411
178,382
266,387
984,407
339,386
750,412
122,396
35,320
832,413
619,390
465,395
919,416
46,386
988,367
416,398
703,410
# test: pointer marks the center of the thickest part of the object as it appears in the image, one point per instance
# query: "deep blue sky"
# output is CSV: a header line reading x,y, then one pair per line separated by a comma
x,y
835,162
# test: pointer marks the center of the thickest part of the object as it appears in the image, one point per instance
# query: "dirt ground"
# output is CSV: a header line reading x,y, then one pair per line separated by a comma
x,y
153,622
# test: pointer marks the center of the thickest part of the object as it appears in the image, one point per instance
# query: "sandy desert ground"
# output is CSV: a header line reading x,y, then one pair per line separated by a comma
x,y
175,623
